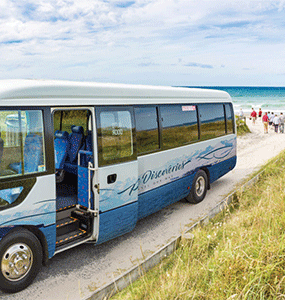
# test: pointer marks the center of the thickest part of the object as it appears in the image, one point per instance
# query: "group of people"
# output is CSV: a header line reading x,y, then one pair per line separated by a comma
x,y
269,120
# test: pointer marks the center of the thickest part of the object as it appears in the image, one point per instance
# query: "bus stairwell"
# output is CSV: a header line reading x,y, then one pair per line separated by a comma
x,y
74,217
75,212
72,226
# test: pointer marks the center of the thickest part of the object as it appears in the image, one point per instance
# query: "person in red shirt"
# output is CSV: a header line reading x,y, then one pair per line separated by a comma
x,y
253,115
265,122
260,113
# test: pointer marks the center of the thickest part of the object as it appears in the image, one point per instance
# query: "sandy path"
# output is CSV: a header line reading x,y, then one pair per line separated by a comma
x,y
75,273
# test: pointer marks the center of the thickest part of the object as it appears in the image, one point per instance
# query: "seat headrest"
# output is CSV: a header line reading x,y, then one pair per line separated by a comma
x,y
77,129
61,134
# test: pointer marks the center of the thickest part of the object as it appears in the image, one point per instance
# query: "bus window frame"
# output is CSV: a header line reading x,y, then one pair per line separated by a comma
x,y
48,142
159,128
27,181
98,109
163,148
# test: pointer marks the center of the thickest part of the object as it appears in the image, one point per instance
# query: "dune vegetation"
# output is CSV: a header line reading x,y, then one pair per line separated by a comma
x,y
242,128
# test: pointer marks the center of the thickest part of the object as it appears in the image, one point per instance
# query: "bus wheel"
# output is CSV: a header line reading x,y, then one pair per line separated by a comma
x,y
20,260
199,187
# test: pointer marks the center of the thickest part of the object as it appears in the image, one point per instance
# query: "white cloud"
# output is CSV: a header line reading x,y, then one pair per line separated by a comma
x,y
114,40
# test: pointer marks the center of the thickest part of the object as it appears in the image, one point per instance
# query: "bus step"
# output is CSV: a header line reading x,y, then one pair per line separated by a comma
x,y
66,225
85,219
64,212
70,237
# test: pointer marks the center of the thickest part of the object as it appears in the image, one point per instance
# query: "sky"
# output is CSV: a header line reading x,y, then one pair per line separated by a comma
x,y
155,42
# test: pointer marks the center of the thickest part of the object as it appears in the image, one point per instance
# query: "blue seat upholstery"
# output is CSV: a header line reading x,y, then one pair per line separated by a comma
x,y
61,144
76,142
89,146
33,154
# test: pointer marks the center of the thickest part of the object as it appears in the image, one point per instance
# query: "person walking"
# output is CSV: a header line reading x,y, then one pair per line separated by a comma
x,y
271,119
265,122
241,114
253,116
260,114
281,125
276,122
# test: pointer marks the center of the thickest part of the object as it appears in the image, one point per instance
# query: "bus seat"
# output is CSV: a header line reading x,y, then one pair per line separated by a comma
x,y
33,154
60,148
89,141
76,142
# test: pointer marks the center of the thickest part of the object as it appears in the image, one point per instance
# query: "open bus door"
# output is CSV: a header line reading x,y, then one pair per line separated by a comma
x,y
76,164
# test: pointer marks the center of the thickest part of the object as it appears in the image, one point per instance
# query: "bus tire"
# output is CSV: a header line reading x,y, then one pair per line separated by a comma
x,y
20,260
199,188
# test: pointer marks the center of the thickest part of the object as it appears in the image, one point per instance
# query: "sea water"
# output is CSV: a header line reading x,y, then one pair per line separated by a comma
x,y
267,98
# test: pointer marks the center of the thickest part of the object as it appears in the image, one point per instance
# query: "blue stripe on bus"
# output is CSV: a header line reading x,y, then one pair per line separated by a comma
x,y
121,220
50,235
156,199
220,169
117,222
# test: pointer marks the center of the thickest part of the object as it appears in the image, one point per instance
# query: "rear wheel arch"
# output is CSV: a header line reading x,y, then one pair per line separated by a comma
x,y
199,187
208,175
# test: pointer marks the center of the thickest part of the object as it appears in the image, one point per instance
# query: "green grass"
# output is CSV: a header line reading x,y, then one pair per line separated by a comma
x,y
240,254
241,127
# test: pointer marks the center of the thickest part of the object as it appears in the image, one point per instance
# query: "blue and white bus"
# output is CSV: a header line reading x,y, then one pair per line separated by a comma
x,y
83,162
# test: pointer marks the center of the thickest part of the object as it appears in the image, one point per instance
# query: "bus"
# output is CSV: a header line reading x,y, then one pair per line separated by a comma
x,y
83,162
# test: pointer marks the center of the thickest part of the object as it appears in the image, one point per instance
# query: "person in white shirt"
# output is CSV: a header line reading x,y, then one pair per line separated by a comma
x,y
281,125
276,122
271,117
241,114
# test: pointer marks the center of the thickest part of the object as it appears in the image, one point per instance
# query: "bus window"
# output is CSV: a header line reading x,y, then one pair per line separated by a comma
x,y
229,115
115,136
21,148
179,124
147,129
64,119
212,120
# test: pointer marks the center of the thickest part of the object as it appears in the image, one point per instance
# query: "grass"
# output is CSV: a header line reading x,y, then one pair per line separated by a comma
x,y
241,127
240,254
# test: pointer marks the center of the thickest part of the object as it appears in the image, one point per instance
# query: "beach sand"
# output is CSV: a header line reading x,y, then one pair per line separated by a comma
x,y
256,148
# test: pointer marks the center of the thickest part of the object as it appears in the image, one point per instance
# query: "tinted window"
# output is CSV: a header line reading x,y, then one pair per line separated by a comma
x,y
147,129
65,119
115,136
212,120
229,116
21,148
179,124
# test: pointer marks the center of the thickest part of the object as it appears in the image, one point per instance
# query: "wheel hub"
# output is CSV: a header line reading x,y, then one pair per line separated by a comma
x,y
17,261
200,186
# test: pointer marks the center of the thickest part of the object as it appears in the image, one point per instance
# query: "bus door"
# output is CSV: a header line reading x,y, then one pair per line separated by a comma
x,y
76,165
117,172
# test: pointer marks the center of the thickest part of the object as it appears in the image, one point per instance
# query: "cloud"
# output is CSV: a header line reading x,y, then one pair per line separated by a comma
x,y
198,65
111,38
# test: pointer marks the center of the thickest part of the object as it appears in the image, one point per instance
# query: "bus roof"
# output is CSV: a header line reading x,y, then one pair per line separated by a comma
x,y
57,92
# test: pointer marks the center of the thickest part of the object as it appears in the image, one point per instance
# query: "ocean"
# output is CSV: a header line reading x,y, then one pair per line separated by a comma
x,y
267,98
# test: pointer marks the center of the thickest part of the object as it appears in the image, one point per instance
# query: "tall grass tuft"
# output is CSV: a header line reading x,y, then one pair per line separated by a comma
x,y
242,128
240,254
